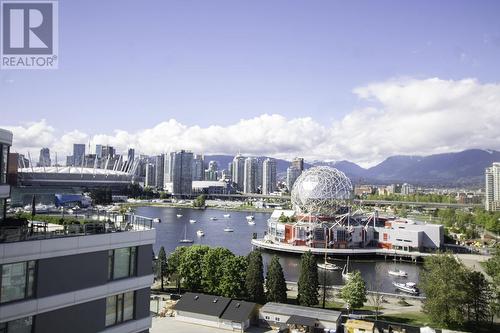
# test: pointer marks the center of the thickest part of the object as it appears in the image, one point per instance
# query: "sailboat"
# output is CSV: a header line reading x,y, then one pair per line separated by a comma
x,y
185,239
228,227
346,275
328,266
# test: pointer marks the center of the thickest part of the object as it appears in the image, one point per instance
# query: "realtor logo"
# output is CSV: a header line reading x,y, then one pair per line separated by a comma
x,y
29,35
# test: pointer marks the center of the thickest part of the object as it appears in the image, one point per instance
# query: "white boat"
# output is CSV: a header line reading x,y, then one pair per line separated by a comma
x,y
185,239
228,229
408,287
250,217
346,275
179,215
399,273
157,220
213,218
328,266
200,233
227,215
251,222
192,221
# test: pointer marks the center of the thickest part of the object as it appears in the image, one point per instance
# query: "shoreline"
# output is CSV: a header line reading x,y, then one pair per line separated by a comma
x,y
172,205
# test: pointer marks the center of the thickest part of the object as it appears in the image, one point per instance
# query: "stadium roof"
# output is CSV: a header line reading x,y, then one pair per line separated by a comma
x,y
72,170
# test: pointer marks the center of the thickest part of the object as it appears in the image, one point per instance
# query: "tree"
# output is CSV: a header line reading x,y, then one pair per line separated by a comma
x,y
254,279
162,266
443,281
308,283
189,267
173,264
354,291
199,201
479,296
376,297
212,269
232,283
275,282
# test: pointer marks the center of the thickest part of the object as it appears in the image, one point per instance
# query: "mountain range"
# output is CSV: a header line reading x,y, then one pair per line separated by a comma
x,y
465,168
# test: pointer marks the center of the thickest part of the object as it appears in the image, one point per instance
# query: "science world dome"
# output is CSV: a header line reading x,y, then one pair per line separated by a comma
x,y
321,191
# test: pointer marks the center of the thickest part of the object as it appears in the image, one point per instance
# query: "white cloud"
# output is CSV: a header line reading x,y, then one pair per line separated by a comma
x,y
400,116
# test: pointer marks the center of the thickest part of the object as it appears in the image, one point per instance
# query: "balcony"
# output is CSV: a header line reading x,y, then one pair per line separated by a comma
x,y
20,231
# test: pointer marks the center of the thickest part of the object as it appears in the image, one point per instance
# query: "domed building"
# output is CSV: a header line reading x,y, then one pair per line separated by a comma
x,y
321,191
323,220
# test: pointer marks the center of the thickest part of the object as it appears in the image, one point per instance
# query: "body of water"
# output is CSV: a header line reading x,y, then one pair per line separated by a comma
x,y
173,228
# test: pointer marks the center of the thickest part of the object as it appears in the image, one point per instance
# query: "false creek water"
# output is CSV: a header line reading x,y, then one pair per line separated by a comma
x,y
172,229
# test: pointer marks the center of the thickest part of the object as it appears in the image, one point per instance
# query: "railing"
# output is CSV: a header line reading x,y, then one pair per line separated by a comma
x,y
37,230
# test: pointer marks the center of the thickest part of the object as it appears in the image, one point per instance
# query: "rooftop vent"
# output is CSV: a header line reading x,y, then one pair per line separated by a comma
x,y
196,297
238,305
215,300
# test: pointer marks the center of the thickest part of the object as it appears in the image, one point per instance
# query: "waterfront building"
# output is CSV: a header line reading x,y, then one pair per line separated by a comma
x,y
78,154
210,187
407,189
5,143
92,280
259,174
269,176
292,174
159,170
179,179
44,159
150,178
250,173
298,163
198,167
108,152
238,171
212,172
98,151
322,218
492,197
69,160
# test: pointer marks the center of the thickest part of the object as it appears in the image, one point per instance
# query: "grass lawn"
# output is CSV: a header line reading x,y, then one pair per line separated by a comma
x,y
410,318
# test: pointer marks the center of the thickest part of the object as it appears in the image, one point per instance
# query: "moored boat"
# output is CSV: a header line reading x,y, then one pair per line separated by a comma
x,y
157,220
227,215
250,217
398,272
200,233
192,221
408,287
179,215
228,229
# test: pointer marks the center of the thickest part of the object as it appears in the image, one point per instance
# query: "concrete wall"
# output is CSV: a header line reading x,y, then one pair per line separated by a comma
x,y
68,273
82,318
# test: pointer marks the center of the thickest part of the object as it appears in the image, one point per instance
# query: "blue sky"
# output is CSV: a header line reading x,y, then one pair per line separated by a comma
x,y
131,65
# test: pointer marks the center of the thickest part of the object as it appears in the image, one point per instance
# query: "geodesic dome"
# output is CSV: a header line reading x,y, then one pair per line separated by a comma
x,y
321,191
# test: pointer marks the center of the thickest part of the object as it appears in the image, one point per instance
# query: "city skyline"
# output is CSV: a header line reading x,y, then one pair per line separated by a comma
x,y
329,81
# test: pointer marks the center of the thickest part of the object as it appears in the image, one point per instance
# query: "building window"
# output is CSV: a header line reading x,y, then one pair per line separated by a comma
x,y
277,318
267,318
4,156
17,281
119,308
121,263
22,325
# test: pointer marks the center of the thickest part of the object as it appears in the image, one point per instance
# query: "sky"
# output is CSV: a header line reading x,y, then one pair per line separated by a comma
x,y
325,80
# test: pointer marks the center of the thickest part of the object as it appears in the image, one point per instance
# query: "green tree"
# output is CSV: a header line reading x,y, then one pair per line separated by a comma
x,y
189,268
232,283
308,283
254,280
199,201
275,282
354,291
479,295
212,269
162,267
173,264
443,281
